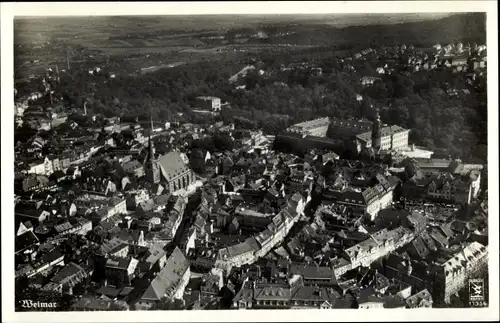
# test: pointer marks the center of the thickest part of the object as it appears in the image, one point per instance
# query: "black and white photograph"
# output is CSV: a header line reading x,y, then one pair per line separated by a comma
x,y
210,162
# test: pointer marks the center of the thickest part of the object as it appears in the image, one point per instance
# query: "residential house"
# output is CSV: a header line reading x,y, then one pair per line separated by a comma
x,y
80,226
26,242
314,275
46,262
376,246
133,168
119,271
170,282
68,277
370,200
261,295
453,274
211,284
115,248
368,299
93,303
422,299
155,260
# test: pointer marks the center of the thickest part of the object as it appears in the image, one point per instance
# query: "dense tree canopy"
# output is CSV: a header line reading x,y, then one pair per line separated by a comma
x,y
272,97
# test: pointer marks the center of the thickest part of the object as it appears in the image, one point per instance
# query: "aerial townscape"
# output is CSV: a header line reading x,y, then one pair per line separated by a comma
x,y
270,164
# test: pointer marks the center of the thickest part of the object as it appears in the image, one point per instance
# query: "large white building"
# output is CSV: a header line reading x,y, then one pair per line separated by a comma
x,y
392,137
208,103
317,127
170,282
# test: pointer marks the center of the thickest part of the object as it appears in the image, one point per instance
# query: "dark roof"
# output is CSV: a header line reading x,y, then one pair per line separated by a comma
x,y
113,245
168,277
93,303
439,237
272,292
109,291
311,293
349,127
28,224
414,300
161,199
420,248
368,295
446,229
394,302
313,271
52,255
118,262
25,240
131,166
69,270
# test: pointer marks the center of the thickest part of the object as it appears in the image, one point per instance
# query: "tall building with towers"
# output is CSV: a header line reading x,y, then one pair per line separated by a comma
x,y
169,169
152,167
153,172
376,133
383,137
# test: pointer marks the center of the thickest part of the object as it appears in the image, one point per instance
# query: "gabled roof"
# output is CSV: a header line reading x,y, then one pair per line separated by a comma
x,y
131,166
313,271
155,252
172,165
168,278
368,295
70,270
118,262
199,221
416,299
420,247
113,245
25,240
272,292
161,199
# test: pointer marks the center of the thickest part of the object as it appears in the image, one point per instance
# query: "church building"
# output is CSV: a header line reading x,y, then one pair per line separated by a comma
x,y
169,169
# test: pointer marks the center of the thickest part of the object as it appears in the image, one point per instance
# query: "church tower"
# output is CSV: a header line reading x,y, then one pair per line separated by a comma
x,y
152,166
376,135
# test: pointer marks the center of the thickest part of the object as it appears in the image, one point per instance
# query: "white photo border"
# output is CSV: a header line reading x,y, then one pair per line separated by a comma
x,y
10,10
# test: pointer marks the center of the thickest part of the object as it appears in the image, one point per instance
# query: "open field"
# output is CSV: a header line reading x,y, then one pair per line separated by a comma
x,y
88,30
139,42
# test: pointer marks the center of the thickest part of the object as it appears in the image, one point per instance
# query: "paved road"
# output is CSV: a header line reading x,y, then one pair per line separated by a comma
x,y
188,217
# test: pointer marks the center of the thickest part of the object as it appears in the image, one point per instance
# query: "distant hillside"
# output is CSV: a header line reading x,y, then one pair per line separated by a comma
x,y
469,27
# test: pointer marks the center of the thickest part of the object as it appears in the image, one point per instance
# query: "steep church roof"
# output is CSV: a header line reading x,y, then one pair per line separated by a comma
x,y
172,165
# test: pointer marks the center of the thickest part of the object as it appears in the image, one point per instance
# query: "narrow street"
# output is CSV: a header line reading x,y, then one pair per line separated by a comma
x,y
188,217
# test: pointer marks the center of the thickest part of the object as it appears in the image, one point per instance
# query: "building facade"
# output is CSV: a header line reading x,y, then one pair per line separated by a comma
x,y
170,282
259,245
175,172
391,137
317,127
120,271
208,103
378,245
453,274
